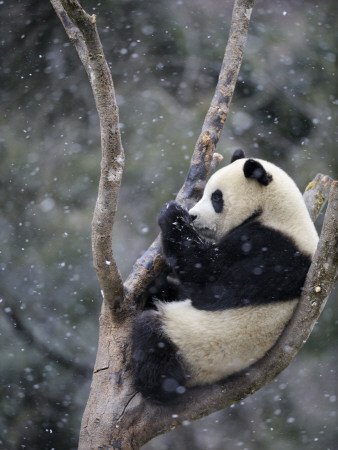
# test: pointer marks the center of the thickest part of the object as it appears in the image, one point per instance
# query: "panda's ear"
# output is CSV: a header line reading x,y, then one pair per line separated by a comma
x,y
238,154
254,169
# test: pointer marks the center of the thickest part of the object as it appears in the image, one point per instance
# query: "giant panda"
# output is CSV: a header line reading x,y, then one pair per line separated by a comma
x,y
241,256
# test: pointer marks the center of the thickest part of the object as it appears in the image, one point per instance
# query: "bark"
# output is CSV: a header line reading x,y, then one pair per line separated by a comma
x,y
117,417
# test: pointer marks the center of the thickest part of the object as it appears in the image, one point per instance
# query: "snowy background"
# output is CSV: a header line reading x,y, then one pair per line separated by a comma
x,y
165,58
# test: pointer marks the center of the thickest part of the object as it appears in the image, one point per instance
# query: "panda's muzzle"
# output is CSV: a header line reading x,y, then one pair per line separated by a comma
x,y
204,231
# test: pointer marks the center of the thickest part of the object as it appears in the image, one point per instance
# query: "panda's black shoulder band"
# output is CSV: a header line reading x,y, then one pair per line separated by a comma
x,y
254,169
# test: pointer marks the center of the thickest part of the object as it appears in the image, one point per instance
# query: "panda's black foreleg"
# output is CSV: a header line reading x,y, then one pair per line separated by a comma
x,y
158,372
185,250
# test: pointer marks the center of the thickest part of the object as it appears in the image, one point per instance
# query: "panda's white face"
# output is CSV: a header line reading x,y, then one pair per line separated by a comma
x,y
229,198
233,195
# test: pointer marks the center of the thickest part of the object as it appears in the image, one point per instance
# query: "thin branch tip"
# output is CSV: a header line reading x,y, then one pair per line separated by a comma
x,y
217,158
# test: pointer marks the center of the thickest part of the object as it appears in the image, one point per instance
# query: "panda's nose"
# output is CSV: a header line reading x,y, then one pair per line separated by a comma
x,y
192,217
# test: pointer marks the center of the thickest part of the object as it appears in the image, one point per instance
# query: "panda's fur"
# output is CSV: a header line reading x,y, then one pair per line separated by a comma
x,y
241,255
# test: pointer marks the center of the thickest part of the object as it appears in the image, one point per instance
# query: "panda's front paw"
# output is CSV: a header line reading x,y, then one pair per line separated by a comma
x,y
173,215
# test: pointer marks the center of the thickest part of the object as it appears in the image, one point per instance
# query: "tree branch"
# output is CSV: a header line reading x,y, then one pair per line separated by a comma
x,y
203,160
82,31
217,114
316,194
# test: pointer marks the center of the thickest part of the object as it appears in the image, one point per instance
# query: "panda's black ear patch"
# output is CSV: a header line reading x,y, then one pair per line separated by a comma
x,y
238,154
254,169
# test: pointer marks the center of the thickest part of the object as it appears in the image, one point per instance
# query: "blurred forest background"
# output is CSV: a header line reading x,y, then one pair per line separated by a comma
x,y
165,58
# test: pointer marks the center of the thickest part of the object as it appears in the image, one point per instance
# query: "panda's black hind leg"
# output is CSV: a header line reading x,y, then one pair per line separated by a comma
x,y
158,371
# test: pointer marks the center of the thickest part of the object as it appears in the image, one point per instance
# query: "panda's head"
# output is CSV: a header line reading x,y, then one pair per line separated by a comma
x,y
251,188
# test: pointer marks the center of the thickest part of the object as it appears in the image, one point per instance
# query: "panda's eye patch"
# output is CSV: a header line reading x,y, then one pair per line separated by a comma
x,y
217,201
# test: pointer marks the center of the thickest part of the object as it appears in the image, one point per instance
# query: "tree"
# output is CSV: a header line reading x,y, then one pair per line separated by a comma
x,y
116,416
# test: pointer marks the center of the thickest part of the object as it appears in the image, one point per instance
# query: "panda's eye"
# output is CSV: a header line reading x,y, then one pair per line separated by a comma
x,y
217,201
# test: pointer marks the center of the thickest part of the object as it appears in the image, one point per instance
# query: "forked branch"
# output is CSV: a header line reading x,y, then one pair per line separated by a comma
x,y
116,416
